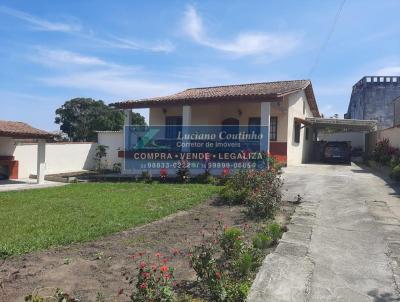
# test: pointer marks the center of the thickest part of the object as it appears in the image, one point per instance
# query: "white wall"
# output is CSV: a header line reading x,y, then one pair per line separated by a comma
x,y
392,134
6,146
357,139
60,157
298,153
114,140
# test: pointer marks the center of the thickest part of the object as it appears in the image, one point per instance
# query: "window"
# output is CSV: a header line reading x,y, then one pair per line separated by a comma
x,y
297,128
173,126
307,133
254,125
273,128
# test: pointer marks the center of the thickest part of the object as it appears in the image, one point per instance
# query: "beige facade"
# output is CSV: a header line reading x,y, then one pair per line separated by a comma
x,y
292,106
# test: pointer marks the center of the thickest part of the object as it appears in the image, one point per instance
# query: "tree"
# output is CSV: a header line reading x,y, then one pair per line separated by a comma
x,y
81,117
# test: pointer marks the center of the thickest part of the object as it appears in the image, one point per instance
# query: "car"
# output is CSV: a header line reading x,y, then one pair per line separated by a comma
x,y
337,152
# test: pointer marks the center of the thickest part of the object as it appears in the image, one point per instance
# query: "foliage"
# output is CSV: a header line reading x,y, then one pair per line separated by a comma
x,y
79,118
225,262
88,210
259,190
154,282
237,291
231,242
395,173
183,172
101,152
275,231
208,270
383,152
146,177
57,296
262,241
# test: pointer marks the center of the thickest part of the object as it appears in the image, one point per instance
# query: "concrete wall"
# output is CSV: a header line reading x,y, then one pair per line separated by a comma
x,y
6,146
60,157
114,140
298,153
372,99
357,139
393,134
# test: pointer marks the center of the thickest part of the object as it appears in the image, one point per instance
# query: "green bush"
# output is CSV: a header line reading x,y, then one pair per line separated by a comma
x,y
237,291
262,241
258,190
395,173
231,242
275,231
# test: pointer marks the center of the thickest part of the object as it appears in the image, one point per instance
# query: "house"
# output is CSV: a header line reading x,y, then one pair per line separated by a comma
x,y
11,131
283,105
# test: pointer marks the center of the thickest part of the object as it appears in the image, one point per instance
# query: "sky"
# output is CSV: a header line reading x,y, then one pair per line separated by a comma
x,y
53,51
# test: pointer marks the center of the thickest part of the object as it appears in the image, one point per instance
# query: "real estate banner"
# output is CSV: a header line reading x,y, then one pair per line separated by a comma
x,y
201,149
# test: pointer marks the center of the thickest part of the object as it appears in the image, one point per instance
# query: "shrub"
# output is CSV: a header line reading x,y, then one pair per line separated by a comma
x,y
208,270
154,283
237,291
395,173
183,172
262,241
246,262
57,296
231,242
383,152
275,231
259,190
146,177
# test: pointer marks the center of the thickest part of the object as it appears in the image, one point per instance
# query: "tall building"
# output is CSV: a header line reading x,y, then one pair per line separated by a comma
x,y
373,98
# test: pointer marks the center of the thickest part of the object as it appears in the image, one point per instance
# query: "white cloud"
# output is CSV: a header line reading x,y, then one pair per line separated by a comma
x,y
77,30
388,71
40,24
245,43
95,75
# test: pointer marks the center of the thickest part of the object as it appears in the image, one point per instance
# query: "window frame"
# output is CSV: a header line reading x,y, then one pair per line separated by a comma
x,y
297,132
172,129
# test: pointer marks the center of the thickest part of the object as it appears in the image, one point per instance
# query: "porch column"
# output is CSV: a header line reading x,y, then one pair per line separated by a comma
x,y
128,117
265,113
41,161
186,121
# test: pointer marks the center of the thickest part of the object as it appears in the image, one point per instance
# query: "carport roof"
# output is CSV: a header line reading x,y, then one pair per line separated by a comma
x,y
342,124
22,130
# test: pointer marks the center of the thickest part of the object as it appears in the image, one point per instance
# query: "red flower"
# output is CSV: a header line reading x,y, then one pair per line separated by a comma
x,y
143,285
218,275
158,255
165,260
167,276
163,172
164,268
142,265
225,172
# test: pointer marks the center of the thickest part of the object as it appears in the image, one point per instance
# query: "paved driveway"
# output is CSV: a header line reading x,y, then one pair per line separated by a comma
x,y
343,243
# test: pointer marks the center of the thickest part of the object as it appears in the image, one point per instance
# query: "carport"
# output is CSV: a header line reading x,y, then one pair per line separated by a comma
x,y
11,131
337,130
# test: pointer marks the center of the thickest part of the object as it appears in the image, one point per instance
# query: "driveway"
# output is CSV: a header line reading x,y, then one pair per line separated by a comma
x,y
343,242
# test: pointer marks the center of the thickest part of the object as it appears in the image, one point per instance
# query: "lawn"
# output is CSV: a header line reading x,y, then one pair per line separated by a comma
x,y
37,219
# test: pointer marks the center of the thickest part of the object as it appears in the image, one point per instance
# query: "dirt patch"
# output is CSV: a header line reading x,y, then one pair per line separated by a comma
x,y
105,266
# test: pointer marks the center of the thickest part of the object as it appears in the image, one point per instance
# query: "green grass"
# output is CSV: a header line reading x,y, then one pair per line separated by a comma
x,y
37,219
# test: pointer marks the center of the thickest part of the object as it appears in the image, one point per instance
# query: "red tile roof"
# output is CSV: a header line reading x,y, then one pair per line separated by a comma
x,y
269,91
22,130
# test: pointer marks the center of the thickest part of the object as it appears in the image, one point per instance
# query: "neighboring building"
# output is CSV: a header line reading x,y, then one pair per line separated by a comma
x,y
285,104
396,111
372,99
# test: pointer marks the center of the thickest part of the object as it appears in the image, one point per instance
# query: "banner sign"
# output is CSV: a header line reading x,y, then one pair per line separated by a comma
x,y
199,148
